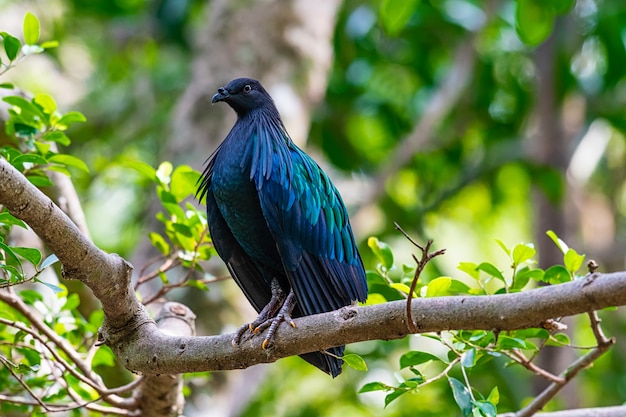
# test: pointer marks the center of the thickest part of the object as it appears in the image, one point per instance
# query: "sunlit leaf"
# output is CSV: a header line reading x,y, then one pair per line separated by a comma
x,y
557,241
573,261
70,161
159,242
32,255
354,361
57,136
438,287
382,251
491,270
394,14
523,252
469,268
184,182
31,28
68,118
164,172
494,396
46,102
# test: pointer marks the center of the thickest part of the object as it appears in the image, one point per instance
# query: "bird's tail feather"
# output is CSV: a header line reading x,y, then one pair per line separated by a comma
x,y
327,363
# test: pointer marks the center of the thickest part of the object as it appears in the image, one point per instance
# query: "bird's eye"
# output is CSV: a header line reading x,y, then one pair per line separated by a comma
x,y
247,88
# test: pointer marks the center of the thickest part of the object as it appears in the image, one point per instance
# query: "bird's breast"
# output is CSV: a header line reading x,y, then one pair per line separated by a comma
x,y
238,201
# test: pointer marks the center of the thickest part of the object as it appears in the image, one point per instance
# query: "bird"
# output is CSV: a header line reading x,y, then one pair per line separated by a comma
x,y
278,222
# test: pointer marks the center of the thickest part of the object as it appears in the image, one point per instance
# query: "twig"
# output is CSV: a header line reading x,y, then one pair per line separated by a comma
x,y
421,263
10,367
88,376
551,390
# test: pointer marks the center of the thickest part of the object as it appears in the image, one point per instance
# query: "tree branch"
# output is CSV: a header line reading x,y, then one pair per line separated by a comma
x,y
141,347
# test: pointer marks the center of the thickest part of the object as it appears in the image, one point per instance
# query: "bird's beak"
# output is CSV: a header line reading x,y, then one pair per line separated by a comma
x,y
222,94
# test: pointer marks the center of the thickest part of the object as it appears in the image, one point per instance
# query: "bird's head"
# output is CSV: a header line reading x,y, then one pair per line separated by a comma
x,y
243,95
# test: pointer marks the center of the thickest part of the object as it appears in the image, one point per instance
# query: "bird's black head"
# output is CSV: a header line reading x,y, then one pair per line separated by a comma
x,y
243,95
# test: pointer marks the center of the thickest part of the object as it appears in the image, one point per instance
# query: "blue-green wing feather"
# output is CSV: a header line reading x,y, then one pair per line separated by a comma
x,y
310,225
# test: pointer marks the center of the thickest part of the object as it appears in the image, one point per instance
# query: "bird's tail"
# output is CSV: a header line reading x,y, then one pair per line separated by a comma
x,y
327,363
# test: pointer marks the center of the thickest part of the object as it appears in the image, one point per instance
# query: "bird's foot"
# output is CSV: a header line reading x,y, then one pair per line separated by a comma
x,y
284,314
269,312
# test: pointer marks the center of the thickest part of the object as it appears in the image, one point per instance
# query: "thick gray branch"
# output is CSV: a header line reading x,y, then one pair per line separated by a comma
x,y
143,348
107,275
149,351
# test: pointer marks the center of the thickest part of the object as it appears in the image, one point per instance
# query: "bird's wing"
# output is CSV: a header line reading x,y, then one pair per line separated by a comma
x,y
309,222
243,269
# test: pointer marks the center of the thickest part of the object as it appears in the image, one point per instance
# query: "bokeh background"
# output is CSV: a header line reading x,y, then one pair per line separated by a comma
x,y
460,120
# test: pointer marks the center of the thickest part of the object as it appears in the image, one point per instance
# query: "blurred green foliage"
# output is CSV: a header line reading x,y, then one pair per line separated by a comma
x,y
472,183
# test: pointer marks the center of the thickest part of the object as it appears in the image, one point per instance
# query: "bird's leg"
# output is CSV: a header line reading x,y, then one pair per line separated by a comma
x,y
266,315
284,314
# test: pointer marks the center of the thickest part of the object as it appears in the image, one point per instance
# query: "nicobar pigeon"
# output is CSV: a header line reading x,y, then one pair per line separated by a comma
x,y
278,222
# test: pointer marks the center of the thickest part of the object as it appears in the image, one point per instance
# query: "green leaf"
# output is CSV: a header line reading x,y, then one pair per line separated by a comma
x,y
49,44
32,356
50,260
56,136
8,219
28,158
507,343
557,274
557,241
403,288
469,268
31,28
393,396
39,180
70,161
72,302
559,339
68,118
159,242
11,256
534,21
184,182
468,358
494,396
46,102
524,275
414,358
32,255
382,251
573,261
9,86
29,112
164,172
523,252
504,247
486,408
55,288
374,386
144,169
394,14
103,357
30,296
11,45
491,270
461,395
354,361
438,287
